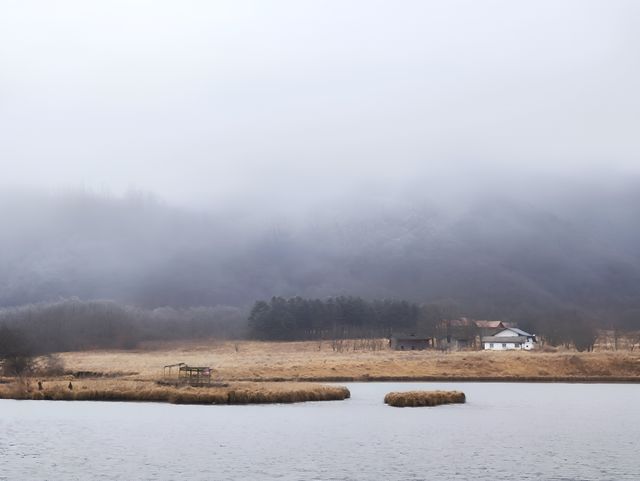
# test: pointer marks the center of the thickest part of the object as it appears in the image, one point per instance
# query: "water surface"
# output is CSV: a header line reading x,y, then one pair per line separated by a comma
x,y
505,432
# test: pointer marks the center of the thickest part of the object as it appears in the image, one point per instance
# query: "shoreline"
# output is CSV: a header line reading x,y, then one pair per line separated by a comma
x,y
487,379
275,390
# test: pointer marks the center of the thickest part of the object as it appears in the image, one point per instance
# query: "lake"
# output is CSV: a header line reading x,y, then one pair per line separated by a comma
x,y
507,431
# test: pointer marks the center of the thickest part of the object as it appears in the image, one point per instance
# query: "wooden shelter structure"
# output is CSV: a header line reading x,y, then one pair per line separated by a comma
x,y
167,370
191,375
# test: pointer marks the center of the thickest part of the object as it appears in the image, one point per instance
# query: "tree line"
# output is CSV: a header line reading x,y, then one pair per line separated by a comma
x,y
297,318
73,325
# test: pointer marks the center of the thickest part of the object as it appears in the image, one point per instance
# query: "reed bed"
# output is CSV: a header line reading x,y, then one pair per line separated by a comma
x,y
423,398
239,393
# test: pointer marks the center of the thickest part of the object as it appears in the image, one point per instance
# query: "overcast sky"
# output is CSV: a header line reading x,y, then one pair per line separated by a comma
x,y
198,100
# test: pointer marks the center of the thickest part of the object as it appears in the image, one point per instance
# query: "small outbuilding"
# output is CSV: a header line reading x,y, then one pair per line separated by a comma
x,y
508,339
410,342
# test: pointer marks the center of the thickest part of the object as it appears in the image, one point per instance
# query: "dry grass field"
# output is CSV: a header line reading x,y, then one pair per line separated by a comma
x,y
317,361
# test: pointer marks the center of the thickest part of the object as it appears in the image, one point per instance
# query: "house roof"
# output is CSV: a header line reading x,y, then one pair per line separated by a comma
x,y
485,324
520,332
504,339
462,322
490,324
409,337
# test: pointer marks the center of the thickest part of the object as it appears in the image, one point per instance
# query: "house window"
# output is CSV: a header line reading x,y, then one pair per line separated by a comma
x,y
517,344
491,345
504,345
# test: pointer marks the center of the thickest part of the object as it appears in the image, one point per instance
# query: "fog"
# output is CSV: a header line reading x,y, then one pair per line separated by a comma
x,y
477,153
495,255
200,102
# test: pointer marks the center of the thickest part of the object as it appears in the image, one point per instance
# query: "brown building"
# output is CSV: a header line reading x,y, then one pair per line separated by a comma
x,y
410,342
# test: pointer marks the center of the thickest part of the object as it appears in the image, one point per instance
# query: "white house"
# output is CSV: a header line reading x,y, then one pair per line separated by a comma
x,y
509,338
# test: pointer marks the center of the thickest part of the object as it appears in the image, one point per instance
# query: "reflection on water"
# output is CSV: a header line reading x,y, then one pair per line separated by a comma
x,y
504,432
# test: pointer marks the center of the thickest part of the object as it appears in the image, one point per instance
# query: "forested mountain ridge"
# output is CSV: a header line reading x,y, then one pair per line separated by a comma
x,y
490,256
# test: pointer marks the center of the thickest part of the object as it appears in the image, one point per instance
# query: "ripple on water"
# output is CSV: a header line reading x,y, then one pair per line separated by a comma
x,y
504,432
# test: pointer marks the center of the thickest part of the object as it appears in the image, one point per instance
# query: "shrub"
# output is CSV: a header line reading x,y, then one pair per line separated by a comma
x,y
423,398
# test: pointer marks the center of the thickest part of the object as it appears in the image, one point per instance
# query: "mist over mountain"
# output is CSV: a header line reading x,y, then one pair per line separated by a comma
x,y
481,155
504,254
